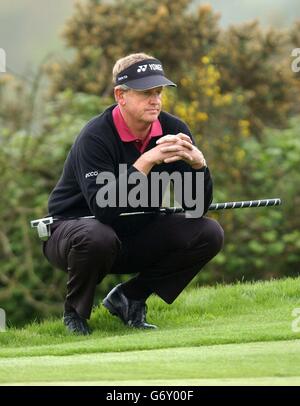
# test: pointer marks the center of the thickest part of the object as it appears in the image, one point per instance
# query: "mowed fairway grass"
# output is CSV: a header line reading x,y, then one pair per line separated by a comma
x,y
223,335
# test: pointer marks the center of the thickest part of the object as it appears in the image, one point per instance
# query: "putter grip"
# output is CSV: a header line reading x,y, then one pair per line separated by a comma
x,y
244,204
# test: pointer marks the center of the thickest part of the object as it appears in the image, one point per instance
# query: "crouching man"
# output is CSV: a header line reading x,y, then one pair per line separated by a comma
x,y
164,252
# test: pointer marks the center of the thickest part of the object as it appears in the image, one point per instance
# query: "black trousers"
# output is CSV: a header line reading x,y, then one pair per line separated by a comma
x,y
166,252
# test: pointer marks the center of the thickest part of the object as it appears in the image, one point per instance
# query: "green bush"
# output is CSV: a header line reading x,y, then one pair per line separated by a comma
x,y
31,163
260,243
252,62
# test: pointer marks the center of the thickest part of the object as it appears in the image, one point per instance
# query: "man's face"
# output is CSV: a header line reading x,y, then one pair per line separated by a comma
x,y
143,105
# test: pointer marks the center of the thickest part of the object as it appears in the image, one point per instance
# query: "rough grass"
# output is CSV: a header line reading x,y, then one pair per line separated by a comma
x,y
238,333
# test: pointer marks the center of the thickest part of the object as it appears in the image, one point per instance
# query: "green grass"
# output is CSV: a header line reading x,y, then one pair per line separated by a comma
x,y
237,334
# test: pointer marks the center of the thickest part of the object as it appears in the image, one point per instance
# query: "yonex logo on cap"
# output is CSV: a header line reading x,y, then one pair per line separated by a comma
x,y
152,66
142,68
155,66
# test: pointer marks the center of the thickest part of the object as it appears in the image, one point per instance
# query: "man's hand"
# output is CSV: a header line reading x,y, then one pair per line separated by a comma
x,y
181,147
171,148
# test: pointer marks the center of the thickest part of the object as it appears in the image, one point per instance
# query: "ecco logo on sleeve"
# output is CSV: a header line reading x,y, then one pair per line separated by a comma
x,y
90,174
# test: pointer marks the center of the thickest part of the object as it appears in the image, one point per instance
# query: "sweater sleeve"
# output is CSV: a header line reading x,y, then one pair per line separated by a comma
x,y
184,167
92,158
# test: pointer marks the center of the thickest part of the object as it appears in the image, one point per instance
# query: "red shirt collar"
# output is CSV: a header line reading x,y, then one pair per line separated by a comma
x,y
127,136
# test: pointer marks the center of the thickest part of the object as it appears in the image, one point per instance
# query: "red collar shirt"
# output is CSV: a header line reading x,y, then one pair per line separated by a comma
x,y
127,136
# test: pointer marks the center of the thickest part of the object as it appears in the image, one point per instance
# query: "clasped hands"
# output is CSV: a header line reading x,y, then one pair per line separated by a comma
x,y
182,147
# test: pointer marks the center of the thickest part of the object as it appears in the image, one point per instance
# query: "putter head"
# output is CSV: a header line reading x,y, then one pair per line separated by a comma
x,y
43,227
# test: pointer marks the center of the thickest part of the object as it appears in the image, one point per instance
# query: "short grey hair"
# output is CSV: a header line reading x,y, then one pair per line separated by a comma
x,y
122,87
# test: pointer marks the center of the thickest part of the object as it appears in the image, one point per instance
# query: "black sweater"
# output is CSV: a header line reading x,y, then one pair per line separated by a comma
x,y
99,148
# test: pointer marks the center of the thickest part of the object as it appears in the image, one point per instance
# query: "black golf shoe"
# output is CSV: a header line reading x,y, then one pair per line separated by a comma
x,y
76,324
131,312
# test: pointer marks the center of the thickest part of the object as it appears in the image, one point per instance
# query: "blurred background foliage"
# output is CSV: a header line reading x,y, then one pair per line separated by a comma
x,y
236,91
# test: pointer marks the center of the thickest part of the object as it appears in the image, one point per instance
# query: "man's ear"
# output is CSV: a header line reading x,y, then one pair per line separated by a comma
x,y
116,95
119,95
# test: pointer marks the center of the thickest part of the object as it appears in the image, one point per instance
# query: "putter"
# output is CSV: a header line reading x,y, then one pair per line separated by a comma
x,y
44,231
